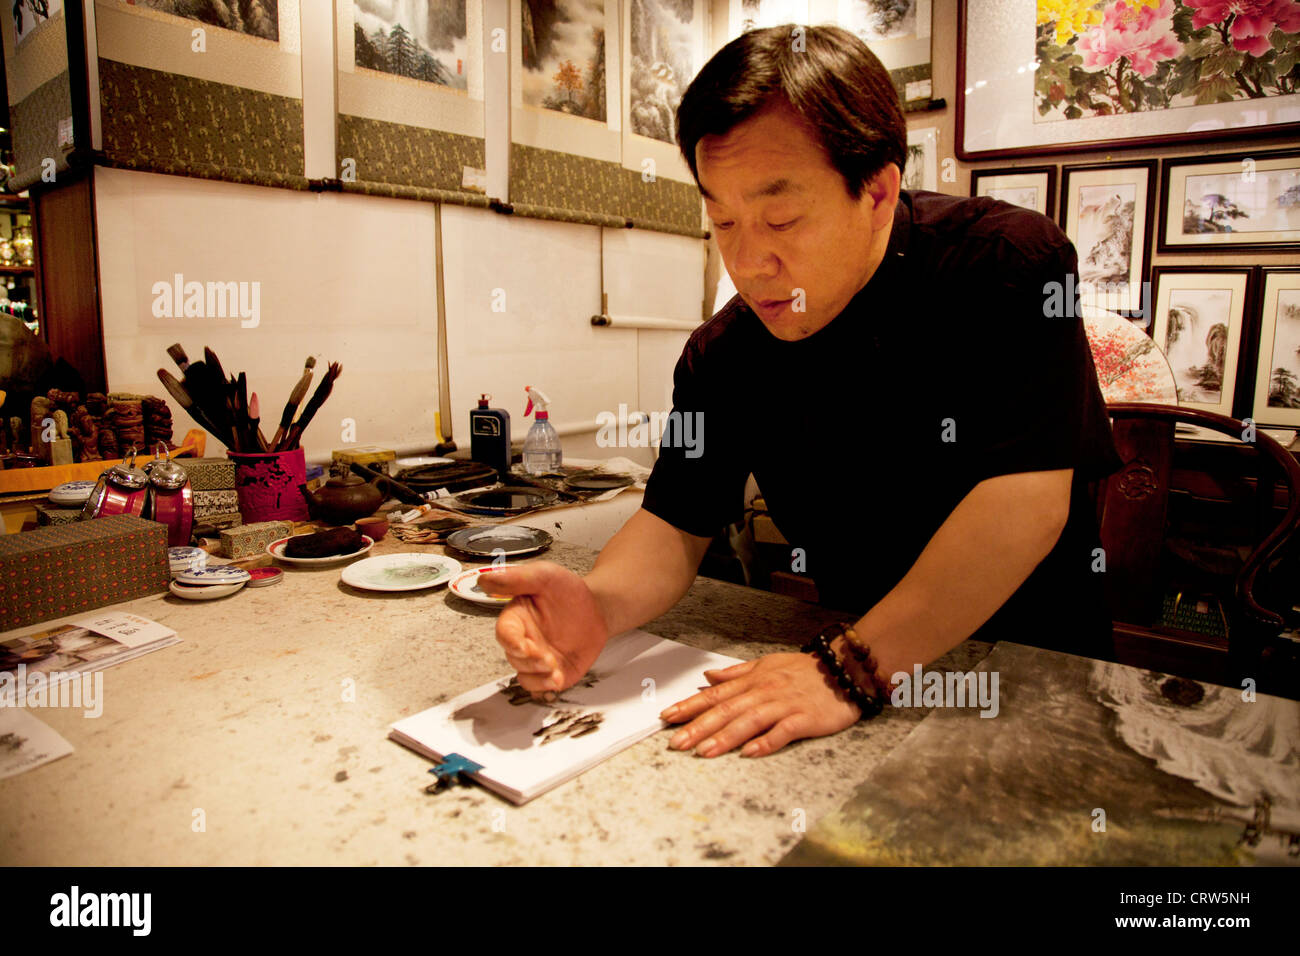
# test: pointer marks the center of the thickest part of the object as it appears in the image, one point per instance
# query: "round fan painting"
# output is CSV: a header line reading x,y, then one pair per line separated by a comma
x,y
1130,366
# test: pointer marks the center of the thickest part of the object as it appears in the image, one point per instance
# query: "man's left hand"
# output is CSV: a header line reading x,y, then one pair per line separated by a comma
x,y
768,702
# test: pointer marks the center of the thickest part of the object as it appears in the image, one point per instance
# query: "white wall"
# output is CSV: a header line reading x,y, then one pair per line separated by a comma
x,y
350,278
344,278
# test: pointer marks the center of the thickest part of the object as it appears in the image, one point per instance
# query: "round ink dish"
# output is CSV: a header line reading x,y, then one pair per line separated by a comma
x,y
509,540
220,574
264,577
597,482
200,592
71,493
503,501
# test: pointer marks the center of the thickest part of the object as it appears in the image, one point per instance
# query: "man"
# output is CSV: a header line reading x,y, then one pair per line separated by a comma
x,y
898,375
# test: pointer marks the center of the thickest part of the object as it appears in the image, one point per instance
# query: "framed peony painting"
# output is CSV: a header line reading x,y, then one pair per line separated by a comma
x,y
1036,77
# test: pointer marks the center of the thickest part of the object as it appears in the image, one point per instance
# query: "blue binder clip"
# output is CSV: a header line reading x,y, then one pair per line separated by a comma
x,y
449,772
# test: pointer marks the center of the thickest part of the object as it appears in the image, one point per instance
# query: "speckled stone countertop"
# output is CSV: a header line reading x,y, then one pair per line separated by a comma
x,y
238,746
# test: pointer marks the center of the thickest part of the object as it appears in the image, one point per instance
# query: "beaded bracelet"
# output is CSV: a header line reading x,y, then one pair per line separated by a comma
x,y
821,647
862,654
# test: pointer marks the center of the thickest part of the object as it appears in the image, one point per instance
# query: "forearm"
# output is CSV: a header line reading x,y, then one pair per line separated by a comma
x,y
643,571
979,557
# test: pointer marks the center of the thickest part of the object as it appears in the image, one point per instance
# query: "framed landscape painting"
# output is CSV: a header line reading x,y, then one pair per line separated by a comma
x,y
1242,202
1199,313
1106,211
1031,187
1049,76
1277,376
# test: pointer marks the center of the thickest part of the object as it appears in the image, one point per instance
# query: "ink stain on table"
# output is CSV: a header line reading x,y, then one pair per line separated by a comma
x,y
715,851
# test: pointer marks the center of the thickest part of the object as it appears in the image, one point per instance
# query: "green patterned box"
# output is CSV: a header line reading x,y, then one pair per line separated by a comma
x,y
209,474
250,539
49,572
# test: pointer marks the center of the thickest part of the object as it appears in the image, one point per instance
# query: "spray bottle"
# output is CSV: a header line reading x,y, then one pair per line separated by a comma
x,y
542,452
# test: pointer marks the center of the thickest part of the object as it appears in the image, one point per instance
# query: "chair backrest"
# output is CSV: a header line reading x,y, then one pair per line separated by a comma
x,y
1133,508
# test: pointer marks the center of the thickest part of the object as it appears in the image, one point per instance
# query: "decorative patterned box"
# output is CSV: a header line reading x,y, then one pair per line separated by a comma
x,y
48,515
372,456
221,522
209,474
250,539
49,572
215,502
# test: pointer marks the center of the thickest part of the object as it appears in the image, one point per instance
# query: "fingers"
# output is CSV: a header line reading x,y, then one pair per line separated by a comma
x,y
727,673
525,649
704,700
519,579
729,725
792,727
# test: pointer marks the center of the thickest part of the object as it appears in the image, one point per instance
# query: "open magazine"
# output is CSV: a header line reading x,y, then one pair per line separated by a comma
x,y
45,659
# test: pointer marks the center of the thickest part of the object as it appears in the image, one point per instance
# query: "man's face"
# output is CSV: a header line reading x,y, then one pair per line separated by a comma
x,y
789,233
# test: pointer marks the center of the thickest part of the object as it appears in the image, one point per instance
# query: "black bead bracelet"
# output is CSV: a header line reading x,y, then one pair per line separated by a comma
x,y
820,646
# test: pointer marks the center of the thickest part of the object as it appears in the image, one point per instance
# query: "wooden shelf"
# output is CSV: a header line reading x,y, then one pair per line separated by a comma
x,y
17,270
22,480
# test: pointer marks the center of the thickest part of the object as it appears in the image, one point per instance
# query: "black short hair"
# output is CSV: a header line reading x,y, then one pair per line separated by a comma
x,y
830,78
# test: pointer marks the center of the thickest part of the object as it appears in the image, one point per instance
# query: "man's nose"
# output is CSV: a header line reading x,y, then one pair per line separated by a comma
x,y
753,258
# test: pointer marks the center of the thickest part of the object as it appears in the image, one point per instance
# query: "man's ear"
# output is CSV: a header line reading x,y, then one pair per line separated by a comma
x,y
882,189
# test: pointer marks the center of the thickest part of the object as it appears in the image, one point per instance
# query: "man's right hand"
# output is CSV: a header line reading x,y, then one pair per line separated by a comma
x,y
553,630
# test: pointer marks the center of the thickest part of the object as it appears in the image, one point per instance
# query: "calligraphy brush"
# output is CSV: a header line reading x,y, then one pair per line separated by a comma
x,y
179,357
317,400
255,420
243,412
219,398
198,385
295,399
177,391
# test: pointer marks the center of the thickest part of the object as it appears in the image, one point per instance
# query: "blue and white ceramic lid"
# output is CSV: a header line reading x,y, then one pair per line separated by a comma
x,y
71,493
215,575
186,559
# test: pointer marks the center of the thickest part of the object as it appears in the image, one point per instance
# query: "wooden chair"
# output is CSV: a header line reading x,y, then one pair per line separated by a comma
x,y
1144,564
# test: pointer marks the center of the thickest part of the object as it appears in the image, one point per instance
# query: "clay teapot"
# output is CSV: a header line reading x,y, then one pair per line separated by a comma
x,y
344,499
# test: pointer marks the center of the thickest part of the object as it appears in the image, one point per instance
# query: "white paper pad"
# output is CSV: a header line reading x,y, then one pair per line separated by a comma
x,y
637,676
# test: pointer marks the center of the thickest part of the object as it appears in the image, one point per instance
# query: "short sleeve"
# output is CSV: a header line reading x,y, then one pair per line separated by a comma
x,y
698,482
1037,403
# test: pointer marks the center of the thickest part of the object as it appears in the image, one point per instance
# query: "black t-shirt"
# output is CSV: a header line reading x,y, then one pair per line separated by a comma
x,y
950,366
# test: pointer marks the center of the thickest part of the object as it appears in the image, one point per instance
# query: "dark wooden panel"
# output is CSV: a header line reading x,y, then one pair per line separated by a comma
x,y
69,275
1133,518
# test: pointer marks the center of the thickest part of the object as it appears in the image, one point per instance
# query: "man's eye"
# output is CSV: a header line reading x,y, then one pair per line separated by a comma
x,y
721,226
782,226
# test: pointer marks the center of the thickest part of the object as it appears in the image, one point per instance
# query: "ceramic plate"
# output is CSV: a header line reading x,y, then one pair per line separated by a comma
x,y
71,493
409,571
219,574
506,539
465,585
276,550
209,592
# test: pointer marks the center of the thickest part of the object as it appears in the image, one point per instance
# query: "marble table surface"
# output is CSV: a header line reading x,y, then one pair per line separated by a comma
x,y
262,739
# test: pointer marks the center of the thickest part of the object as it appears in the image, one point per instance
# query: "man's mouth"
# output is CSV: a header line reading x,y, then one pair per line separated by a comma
x,y
770,308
